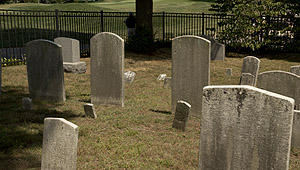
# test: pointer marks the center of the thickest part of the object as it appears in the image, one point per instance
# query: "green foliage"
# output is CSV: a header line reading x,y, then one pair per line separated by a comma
x,y
5,1
142,42
12,62
29,1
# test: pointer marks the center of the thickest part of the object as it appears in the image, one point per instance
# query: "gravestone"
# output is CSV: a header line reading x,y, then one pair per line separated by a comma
x,y
129,76
296,129
217,49
45,71
71,55
295,70
181,115
243,127
190,71
228,71
27,103
281,82
168,82
60,139
247,79
161,77
251,65
89,110
107,69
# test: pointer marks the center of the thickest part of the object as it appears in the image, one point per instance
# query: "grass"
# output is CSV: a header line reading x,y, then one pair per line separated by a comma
x,y
137,136
195,6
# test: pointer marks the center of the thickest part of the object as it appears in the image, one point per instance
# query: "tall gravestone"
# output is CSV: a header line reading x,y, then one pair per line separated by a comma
x,y
251,65
71,55
60,140
296,129
245,128
107,69
295,70
281,82
217,49
45,71
247,79
190,71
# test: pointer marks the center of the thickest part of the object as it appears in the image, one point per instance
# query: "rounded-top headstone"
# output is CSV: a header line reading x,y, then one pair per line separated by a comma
x,y
70,49
251,65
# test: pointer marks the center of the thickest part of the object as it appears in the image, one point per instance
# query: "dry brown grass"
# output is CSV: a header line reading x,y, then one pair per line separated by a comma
x,y
138,136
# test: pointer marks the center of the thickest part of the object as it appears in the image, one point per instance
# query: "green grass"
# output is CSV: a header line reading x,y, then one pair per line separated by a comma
x,y
137,136
195,6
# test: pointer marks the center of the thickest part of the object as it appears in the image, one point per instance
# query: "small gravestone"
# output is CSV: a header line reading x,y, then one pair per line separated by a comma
x,y
27,103
217,49
60,139
243,127
107,69
129,76
281,82
251,65
247,79
167,82
161,77
181,115
71,55
89,110
190,71
296,129
295,70
228,71
45,71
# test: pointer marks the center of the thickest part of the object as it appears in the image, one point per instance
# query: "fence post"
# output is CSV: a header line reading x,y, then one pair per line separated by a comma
x,y
102,27
163,23
203,23
57,22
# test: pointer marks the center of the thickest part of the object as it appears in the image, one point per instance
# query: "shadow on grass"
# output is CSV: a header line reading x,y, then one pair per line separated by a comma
x,y
160,111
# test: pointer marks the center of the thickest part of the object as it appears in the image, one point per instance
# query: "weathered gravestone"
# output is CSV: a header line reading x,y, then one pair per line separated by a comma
x,y
45,71
217,49
168,82
60,141
89,110
71,55
190,71
129,76
295,70
27,103
107,69
251,65
228,72
296,129
247,79
181,115
281,82
245,128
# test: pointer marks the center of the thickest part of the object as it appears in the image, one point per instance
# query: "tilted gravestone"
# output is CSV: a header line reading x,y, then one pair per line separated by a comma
x,y
89,110
243,127
107,69
71,55
251,65
295,70
181,115
217,49
60,140
190,71
45,71
247,79
296,129
281,82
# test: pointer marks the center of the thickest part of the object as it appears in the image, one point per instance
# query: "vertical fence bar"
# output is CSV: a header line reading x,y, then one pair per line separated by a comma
x,y
102,29
57,22
202,23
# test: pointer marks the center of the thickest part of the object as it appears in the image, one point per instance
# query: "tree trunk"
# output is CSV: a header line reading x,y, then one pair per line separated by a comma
x,y
144,9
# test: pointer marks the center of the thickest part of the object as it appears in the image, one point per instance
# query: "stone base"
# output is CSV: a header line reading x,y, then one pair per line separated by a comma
x,y
77,67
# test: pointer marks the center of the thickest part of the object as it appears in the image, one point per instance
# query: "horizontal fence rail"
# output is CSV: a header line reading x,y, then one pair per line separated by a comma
x,y
17,27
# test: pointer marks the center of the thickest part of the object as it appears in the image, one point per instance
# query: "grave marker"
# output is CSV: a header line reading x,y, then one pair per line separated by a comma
x,y
217,49
247,79
251,65
295,70
181,115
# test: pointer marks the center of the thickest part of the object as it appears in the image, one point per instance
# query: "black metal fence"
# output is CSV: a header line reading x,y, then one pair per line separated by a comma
x,y
21,26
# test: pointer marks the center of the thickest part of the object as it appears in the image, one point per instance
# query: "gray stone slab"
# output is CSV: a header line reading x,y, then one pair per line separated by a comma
x,y
70,49
45,71
167,82
107,69
251,65
60,140
27,103
129,76
181,115
217,49
245,128
295,70
76,67
89,110
190,71
247,79
161,77
296,129
228,71
281,82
